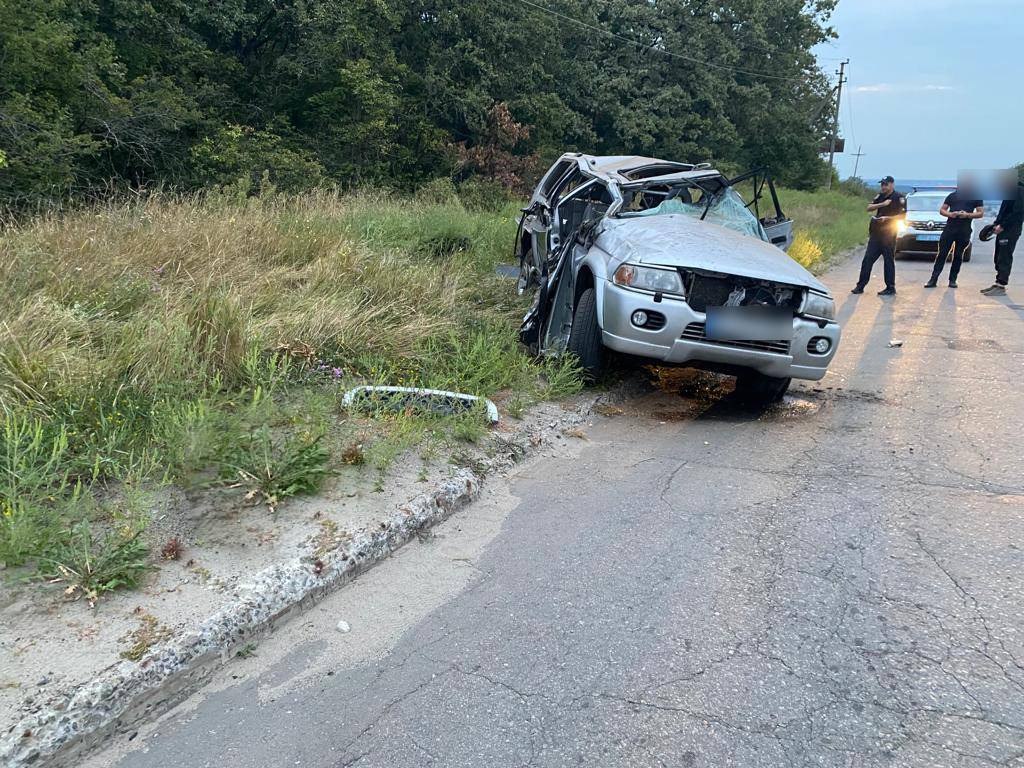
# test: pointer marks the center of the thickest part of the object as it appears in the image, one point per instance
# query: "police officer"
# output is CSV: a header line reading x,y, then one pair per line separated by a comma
x,y
888,207
1007,228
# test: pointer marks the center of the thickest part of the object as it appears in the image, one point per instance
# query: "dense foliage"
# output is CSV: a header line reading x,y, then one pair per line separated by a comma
x,y
179,93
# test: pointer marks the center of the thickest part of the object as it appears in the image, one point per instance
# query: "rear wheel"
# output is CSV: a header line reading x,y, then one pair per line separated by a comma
x,y
757,389
585,337
967,253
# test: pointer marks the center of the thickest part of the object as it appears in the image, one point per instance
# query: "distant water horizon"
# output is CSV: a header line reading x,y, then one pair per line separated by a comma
x,y
907,185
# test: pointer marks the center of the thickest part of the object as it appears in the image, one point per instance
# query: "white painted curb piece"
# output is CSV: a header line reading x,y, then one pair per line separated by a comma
x,y
353,395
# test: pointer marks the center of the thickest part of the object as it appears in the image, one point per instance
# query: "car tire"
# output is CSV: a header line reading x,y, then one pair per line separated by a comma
x,y
968,253
758,390
527,275
585,337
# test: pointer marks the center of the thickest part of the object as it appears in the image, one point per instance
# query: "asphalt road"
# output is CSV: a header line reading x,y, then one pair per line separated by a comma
x,y
839,582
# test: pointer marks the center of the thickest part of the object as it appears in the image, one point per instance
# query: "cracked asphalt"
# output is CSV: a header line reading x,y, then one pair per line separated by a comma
x,y
837,582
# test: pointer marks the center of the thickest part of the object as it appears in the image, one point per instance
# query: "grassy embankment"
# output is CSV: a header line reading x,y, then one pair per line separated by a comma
x,y
206,342
827,224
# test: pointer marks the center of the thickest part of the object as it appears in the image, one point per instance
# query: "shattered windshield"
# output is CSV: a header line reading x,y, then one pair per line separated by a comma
x,y
727,208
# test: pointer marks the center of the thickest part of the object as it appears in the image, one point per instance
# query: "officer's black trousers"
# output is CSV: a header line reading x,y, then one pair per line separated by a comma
x,y
958,243
1006,241
885,247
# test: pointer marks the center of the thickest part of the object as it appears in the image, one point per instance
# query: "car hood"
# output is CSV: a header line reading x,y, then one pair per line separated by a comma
x,y
926,216
678,240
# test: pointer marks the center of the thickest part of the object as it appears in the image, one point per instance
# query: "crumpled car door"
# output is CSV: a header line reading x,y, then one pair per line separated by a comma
x,y
546,326
777,225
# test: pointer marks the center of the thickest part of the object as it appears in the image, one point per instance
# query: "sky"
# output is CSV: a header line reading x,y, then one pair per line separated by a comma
x,y
934,85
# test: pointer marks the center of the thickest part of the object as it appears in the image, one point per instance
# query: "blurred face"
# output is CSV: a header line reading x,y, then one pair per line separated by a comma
x,y
887,187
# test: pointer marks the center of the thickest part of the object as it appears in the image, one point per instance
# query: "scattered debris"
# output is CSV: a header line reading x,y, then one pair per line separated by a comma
x,y
604,409
896,343
172,549
434,400
343,627
297,350
149,632
510,271
576,432
353,455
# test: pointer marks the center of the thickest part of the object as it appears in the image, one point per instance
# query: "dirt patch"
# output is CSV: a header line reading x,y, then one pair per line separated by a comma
x,y
974,345
825,394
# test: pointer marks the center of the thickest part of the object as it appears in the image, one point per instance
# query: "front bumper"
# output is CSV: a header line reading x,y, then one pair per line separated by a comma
x,y
681,340
910,242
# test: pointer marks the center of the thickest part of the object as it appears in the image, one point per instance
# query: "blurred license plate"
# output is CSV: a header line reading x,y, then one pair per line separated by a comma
x,y
749,324
929,238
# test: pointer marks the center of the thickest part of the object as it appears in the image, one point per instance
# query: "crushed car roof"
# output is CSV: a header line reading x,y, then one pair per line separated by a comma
x,y
616,167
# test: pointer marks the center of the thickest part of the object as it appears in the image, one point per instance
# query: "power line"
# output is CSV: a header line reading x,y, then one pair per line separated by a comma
x,y
746,46
856,166
665,51
835,122
849,115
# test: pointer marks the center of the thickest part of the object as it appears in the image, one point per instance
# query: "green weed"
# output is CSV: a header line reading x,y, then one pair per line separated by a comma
x,y
272,470
89,565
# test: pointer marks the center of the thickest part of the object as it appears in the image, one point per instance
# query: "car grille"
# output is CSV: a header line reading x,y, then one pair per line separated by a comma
x,y
703,291
695,332
707,292
928,226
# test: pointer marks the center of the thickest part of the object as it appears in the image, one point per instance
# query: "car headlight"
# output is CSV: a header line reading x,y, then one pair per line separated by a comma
x,y
901,227
817,305
648,279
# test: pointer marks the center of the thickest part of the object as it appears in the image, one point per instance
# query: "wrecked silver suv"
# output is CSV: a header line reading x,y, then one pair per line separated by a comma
x,y
665,261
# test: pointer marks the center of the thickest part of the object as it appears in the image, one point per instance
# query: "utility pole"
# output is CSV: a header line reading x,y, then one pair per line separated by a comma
x,y
835,120
856,165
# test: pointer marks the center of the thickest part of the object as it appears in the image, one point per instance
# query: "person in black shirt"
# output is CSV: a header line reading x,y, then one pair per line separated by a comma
x,y
1008,224
960,211
889,206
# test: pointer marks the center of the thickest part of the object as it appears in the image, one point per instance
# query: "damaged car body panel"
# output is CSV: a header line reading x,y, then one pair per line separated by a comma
x,y
665,261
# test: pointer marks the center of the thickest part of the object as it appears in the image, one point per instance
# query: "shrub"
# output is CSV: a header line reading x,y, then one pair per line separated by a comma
x,y
805,251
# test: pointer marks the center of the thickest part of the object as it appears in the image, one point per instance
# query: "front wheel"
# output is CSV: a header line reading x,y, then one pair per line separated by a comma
x,y
759,390
585,337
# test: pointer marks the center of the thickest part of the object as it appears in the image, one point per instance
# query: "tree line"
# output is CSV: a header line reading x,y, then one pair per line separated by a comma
x,y
97,95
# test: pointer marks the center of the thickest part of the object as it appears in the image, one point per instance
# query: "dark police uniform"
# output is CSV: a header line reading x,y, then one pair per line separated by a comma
x,y
882,239
1011,219
956,235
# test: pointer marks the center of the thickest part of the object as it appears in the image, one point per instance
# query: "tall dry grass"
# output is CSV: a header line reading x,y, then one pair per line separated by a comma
x,y
178,291
162,337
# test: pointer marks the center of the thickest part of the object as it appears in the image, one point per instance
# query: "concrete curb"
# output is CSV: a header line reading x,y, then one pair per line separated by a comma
x,y
127,693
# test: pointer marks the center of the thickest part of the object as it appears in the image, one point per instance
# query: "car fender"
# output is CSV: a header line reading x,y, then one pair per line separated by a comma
x,y
596,260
